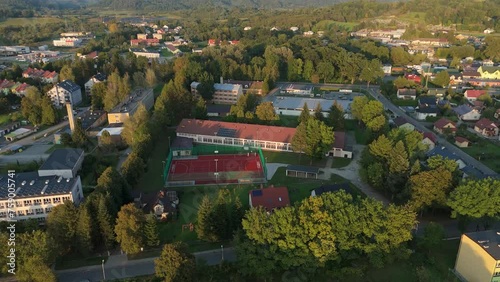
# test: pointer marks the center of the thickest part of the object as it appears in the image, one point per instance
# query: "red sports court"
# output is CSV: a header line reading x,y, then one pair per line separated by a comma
x,y
212,169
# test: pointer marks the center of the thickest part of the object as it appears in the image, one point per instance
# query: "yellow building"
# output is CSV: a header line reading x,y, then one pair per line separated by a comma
x,y
489,72
478,258
128,108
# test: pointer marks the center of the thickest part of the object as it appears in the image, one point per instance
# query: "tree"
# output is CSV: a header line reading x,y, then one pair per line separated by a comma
x,y
66,73
381,147
206,86
442,79
204,219
105,220
304,115
84,231
357,106
151,236
139,79
325,71
373,115
398,159
402,82
31,105
318,112
133,168
430,188
476,198
112,182
265,112
492,49
371,71
200,109
129,227
61,227
34,252
150,78
48,111
98,93
79,137
136,132
308,69
314,138
399,56
175,263
106,142
335,117
299,140
433,237
66,139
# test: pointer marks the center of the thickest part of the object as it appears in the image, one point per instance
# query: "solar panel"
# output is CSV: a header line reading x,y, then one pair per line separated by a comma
x,y
226,132
257,193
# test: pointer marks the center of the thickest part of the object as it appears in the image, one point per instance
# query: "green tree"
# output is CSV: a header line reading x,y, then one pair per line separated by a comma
x,y
105,220
299,140
151,235
399,56
84,231
265,112
442,79
34,252
133,168
66,73
150,78
398,159
492,49
335,117
79,137
433,237
371,71
318,138
402,82
206,86
325,71
106,142
308,70
138,79
476,198
129,228
318,112
373,115
304,115
98,93
200,109
175,263
204,220
381,147
357,106
136,132
66,139
48,112
31,105
61,227
430,188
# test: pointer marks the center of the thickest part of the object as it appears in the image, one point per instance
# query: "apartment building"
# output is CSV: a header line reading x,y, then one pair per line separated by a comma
x,y
224,93
66,91
67,42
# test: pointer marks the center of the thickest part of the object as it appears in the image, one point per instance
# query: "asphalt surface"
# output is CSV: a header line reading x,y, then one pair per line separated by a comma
x,y
118,267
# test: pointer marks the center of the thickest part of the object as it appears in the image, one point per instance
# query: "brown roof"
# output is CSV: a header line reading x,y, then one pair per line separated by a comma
x,y
239,130
485,123
431,136
461,139
474,93
400,121
270,198
406,91
442,122
339,139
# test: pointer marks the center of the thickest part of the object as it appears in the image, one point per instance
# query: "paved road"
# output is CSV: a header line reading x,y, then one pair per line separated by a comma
x,y
118,267
442,142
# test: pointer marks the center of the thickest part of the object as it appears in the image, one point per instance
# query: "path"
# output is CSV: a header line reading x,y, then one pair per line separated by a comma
x,y
119,267
272,168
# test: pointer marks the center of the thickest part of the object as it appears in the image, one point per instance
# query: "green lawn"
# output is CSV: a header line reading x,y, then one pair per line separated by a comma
x,y
486,152
289,121
405,102
74,261
166,53
292,158
362,135
6,118
329,24
28,21
340,162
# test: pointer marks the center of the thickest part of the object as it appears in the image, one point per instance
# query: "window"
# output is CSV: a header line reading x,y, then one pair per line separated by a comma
x,y
39,211
57,200
3,214
19,204
47,201
29,212
37,202
66,198
47,210
2,206
20,213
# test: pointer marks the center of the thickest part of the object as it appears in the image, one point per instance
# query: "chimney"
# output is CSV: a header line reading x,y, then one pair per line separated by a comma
x,y
71,117
221,80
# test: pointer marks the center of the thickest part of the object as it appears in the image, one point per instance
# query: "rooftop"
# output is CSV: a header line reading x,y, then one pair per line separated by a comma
x,y
62,159
489,240
113,131
297,87
334,188
400,121
303,168
88,118
236,130
445,153
270,198
340,139
474,93
69,85
227,87
133,101
297,103
29,184
462,110
182,143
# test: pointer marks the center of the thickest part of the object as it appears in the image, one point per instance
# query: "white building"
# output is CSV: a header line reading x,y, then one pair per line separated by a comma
x,y
145,53
35,196
387,69
247,28
296,89
292,106
224,93
100,77
67,42
66,91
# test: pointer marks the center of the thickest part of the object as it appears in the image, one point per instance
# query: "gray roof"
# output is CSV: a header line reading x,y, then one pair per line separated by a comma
x,y
297,103
428,110
489,240
227,87
221,109
34,185
182,143
462,110
62,159
303,168
100,76
69,85
445,153
472,172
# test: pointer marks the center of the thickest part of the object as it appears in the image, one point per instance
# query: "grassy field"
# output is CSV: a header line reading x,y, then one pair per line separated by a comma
x,y
166,53
362,136
6,118
292,158
329,24
486,152
28,21
69,262
405,103
340,162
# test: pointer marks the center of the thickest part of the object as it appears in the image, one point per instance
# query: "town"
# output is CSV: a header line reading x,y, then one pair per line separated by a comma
x,y
158,142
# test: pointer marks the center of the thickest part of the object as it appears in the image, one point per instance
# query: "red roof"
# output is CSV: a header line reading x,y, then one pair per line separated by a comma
x,y
461,139
6,83
234,42
441,123
270,198
339,139
413,77
171,47
474,93
485,123
241,130
430,136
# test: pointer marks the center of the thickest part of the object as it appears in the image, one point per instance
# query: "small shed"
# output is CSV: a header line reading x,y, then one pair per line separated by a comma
x,y
182,146
461,142
301,171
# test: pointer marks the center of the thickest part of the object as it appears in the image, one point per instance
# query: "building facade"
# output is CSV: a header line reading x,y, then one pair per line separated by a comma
x,y
66,91
224,93
67,42
127,109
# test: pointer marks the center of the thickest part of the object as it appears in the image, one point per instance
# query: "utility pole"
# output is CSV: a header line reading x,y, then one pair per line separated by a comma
x,y
103,273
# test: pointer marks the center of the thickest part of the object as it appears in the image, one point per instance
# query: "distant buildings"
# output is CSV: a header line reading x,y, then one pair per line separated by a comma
x,y
296,89
43,76
99,77
145,53
293,106
128,108
13,87
66,91
224,93
67,42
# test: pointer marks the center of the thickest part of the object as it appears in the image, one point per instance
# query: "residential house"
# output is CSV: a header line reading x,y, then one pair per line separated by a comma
x,y
439,93
146,42
430,140
332,188
446,154
173,49
270,198
427,107
413,77
142,36
472,95
246,28
405,93
99,77
91,55
340,148
254,87
461,142
165,205
487,63
479,106
497,114
387,69
486,127
41,75
272,138
466,113
401,122
234,42
213,42
488,31
158,36
478,257
308,33
445,125
489,72
66,91
294,28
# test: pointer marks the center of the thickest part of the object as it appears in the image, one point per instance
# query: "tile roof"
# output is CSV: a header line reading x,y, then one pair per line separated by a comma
x,y
241,130
340,139
408,92
460,139
485,123
443,122
474,93
444,152
270,198
430,136
62,159
428,100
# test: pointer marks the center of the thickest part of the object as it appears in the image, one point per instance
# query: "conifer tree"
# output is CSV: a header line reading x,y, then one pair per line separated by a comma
x,y
84,228
151,231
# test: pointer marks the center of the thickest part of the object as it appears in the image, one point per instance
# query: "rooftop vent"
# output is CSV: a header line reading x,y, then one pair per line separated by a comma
x,y
279,199
67,179
59,179
24,182
486,246
32,182
47,181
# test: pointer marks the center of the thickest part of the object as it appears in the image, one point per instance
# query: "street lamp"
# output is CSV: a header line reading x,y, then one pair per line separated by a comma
x,y
222,251
216,161
103,273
